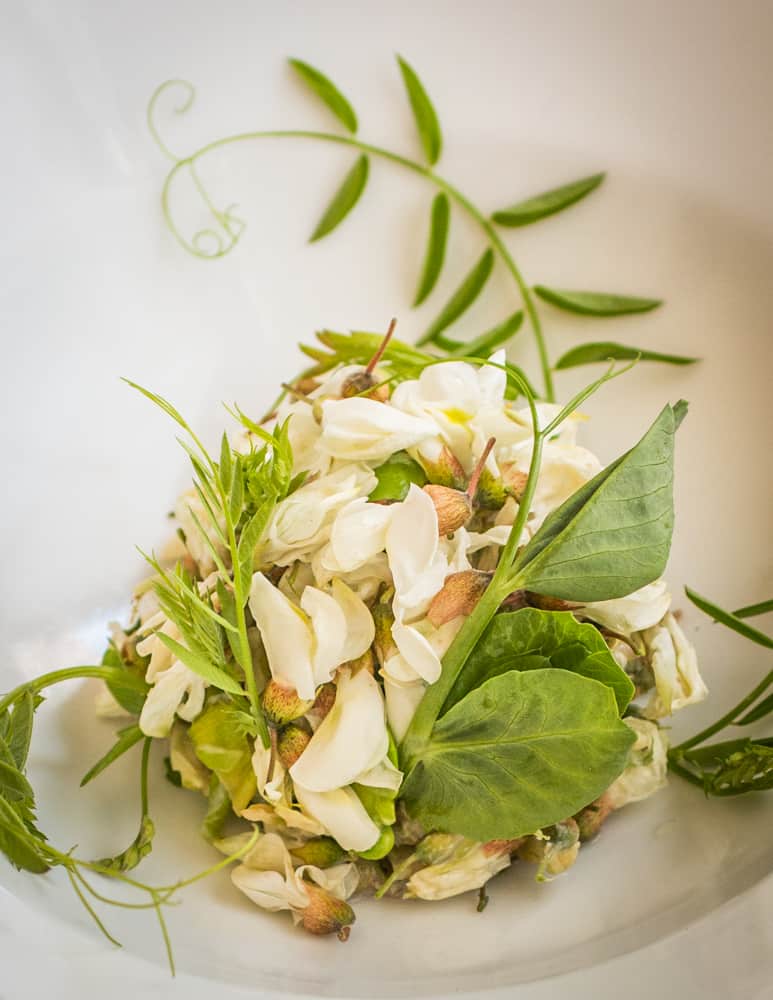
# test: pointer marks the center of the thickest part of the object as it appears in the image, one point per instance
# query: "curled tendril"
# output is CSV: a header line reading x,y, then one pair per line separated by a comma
x,y
179,109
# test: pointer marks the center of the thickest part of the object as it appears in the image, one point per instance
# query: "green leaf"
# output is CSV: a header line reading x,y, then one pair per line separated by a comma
x,y
20,728
395,477
226,464
530,639
127,738
236,498
731,621
248,542
436,247
124,683
344,200
327,92
139,848
520,753
222,746
587,354
463,297
523,213
202,666
485,345
595,303
765,707
218,811
18,844
614,534
424,113
734,767
14,787
752,610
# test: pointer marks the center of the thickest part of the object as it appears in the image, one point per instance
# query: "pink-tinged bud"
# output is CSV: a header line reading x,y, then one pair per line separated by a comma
x,y
453,508
514,480
496,847
326,914
290,744
458,596
442,468
326,696
305,386
322,852
515,601
281,704
592,818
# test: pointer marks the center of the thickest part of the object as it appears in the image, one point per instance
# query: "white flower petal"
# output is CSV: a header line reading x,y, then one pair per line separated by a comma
x,y
266,876
417,651
360,628
343,816
492,381
647,770
640,610
176,691
161,657
402,700
351,739
366,430
383,775
412,538
262,760
329,626
470,867
359,533
675,666
286,636
339,880
397,668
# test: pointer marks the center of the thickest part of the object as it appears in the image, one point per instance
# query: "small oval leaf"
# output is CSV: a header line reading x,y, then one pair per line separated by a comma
x,y
344,200
327,92
395,477
728,619
436,247
462,298
595,303
424,113
523,213
485,345
588,354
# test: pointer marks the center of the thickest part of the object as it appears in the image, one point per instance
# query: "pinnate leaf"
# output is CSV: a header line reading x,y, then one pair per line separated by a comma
x,y
587,354
344,200
327,92
424,113
436,247
523,213
463,297
595,303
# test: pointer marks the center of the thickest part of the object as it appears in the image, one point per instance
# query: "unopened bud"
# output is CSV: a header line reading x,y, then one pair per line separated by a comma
x,y
281,704
592,818
493,848
364,384
437,847
290,744
441,466
458,596
453,508
326,696
322,852
384,619
306,385
514,480
326,914
491,493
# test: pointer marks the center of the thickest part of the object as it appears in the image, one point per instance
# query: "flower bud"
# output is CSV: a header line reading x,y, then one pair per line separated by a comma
x,y
326,696
441,466
458,596
544,603
326,914
384,619
514,480
322,852
491,493
437,847
364,384
281,704
453,508
592,817
306,385
554,853
290,744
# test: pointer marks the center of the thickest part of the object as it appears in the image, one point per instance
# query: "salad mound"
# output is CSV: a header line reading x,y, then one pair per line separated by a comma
x,y
382,642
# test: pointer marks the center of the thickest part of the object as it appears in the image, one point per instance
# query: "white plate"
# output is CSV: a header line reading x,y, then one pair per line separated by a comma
x,y
672,99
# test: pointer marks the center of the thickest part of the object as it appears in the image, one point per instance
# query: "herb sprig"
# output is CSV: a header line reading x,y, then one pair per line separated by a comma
x,y
739,765
227,229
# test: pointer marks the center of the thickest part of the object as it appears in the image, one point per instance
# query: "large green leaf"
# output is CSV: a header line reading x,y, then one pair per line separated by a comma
x,y
530,639
614,534
524,751
18,844
222,745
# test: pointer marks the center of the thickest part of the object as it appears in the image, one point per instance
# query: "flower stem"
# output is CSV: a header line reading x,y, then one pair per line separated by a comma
x,y
454,193
726,719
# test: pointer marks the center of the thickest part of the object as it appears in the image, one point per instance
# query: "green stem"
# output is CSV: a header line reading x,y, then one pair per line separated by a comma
x,y
726,719
683,772
144,776
47,680
344,140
